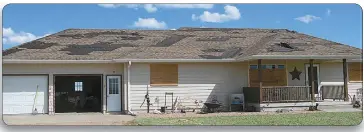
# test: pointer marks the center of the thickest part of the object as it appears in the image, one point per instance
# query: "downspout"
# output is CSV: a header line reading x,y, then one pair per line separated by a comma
x,y
128,90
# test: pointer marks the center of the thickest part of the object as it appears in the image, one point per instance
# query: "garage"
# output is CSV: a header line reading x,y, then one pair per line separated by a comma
x,y
24,93
78,93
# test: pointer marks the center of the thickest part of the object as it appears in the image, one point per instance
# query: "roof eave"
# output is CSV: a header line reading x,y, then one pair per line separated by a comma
x,y
12,61
326,57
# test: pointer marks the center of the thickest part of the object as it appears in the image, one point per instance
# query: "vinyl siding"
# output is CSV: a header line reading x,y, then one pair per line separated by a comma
x,y
198,81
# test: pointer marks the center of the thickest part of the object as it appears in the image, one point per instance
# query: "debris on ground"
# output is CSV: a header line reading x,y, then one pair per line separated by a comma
x,y
157,112
284,110
356,104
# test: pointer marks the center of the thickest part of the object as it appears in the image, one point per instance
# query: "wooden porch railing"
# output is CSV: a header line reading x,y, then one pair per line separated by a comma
x,y
285,94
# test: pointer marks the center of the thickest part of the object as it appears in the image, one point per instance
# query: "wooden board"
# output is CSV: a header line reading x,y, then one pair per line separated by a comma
x,y
271,77
355,71
163,74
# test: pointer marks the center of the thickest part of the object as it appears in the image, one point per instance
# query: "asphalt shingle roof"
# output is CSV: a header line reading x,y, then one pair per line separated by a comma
x,y
184,43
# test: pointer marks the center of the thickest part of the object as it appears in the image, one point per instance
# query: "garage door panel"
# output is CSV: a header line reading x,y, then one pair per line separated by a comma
x,y
19,93
23,98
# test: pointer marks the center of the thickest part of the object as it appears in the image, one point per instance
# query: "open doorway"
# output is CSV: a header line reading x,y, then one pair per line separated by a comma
x,y
78,93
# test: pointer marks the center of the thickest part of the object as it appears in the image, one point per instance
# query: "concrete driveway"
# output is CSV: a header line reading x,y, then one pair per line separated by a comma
x,y
68,119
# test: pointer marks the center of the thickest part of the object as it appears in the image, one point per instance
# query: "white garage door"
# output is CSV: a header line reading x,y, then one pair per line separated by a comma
x,y
19,93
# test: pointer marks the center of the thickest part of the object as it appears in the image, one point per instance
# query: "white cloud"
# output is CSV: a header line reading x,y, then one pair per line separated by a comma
x,y
8,32
14,38
307,18
110,5
150,23
150,8
154,7
231,13
328,12
202,6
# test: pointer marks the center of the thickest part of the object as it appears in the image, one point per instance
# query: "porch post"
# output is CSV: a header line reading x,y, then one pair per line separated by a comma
x,y
345,80
312,81
260,78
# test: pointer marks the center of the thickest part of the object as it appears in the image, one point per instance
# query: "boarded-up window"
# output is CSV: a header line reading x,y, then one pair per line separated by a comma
x,y
273,75
163,74
355,71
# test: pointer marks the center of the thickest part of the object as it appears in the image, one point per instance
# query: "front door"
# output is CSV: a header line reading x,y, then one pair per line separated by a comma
x,y
315,78
113,93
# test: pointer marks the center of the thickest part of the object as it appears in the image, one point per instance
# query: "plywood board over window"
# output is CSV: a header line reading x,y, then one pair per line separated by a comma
x,y
355,71
271,77
164,74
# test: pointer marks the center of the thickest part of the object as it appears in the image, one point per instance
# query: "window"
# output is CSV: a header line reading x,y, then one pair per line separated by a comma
x,y
355,71
78,86
113,86
163,74
280,66
268,66
253,66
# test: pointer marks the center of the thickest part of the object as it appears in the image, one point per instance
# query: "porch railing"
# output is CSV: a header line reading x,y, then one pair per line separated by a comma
x,y
285,94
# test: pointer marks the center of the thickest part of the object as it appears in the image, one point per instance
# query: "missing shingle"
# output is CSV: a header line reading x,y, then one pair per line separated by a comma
x,y
220,38
228,53
86,49
170,40
37,45
95,34
210,57
283,47
130,37
12,50
231,52
213,50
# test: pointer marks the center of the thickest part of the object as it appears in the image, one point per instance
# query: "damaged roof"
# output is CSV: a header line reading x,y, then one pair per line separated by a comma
x,y
184,43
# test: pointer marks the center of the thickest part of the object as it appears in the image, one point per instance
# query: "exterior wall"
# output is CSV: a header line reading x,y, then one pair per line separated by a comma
x,y
51,69
300,66
197,81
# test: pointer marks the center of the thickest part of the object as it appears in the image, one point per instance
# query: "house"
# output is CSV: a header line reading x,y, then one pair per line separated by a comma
x,y
107,70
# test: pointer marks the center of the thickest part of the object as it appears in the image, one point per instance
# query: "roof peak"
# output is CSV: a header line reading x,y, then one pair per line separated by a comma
x,y
185,29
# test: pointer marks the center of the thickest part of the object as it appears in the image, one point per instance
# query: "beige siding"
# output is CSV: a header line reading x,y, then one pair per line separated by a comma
x,y
300,66
331,72
198,81
51,69
353,88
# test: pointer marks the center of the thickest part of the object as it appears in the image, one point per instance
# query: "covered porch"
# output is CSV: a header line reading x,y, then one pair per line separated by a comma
x,y
305,80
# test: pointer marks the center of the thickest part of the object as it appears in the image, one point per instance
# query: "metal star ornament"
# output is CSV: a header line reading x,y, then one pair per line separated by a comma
x,y
295,74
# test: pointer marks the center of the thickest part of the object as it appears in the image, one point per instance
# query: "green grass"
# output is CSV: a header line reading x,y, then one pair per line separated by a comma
x,y
319,118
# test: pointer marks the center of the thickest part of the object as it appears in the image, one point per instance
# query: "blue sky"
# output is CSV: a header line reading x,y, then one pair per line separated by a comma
x,y
337,22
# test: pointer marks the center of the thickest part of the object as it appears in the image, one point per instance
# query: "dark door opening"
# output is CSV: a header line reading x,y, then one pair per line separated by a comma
x,y
315,79
78,93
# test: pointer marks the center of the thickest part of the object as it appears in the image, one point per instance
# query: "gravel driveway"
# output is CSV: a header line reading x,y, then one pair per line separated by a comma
x,y
68,119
